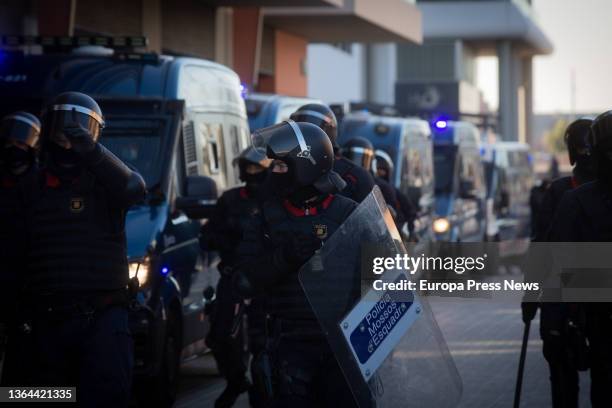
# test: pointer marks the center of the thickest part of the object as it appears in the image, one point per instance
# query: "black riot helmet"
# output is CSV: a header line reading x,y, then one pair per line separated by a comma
x,y
360,151
19,133
21,127
382,165
577,140
65,109
601,142
307,152
320,115
251,156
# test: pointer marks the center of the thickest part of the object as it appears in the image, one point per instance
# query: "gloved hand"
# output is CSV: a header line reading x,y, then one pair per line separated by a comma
x,y
529,310
80,138
299,248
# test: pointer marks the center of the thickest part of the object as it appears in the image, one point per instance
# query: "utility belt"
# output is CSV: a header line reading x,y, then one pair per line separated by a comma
x,y
54,306
283,328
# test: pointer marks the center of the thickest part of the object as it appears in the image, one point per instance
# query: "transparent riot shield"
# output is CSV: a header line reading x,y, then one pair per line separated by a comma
x,y
386,342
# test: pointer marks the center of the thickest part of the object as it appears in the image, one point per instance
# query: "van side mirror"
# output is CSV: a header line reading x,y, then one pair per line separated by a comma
x,y
200,197
467,189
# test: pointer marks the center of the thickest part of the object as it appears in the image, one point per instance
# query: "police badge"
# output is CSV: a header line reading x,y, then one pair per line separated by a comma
x,y
320,231
77,204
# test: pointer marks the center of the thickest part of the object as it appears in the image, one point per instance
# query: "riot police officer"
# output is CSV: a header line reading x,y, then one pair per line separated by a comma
x,y
223,233
555,318
583,215
359,182
360,151
579,151
19,133
382,166
298,366
73,312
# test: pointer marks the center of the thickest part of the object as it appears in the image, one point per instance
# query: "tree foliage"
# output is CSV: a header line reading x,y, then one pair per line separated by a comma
x,y
555,136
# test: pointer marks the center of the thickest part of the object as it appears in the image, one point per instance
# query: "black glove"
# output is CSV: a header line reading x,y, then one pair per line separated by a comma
x,y
299,248
529,310
80,138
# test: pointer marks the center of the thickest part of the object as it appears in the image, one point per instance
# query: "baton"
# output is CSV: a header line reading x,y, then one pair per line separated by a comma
x,y
521,367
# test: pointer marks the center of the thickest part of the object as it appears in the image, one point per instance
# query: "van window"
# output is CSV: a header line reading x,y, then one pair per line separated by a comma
x,y
444,167
138,142
212,150
416,168
471,170
208,87
245,138
235,140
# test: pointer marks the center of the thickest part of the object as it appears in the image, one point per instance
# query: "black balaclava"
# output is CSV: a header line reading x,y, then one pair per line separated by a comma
x,y
584,169
16,161
63,162
254,181
284,185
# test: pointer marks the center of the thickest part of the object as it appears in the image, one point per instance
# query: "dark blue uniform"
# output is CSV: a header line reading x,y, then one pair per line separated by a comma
x,y
223,233
554,317
304,368
73,318
584,216
13,241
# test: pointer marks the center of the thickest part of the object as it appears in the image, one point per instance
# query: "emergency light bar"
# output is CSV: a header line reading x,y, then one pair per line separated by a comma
x,y
78,41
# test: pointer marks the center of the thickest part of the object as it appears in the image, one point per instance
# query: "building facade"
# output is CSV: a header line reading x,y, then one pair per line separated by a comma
x,y
264,41
439,76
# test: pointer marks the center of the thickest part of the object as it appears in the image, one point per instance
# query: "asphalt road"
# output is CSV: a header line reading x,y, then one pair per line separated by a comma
x,y
484,339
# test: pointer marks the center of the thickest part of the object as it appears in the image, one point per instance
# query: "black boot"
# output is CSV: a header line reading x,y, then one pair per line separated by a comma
x,y
231,393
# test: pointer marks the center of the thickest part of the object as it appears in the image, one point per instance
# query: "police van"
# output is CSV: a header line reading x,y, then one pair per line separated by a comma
x,y
268,109
460,186
509,178
176,120
408,142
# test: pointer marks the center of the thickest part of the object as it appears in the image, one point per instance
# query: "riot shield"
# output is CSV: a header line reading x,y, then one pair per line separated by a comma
x,y
387,343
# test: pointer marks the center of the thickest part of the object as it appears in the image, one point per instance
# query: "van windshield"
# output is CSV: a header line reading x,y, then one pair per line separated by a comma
x,y
137,142
444,167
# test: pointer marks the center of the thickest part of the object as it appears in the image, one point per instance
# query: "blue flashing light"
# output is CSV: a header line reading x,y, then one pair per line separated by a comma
x,y
164,270
441,124
244,91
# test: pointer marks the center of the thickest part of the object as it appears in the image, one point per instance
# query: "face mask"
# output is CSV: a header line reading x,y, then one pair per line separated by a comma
x,y
584,167
254,181
61,157
604,172
281,183
16,161
63,162
300,196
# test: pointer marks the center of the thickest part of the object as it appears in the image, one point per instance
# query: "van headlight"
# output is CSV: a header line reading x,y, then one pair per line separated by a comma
x,y
441,225
140,269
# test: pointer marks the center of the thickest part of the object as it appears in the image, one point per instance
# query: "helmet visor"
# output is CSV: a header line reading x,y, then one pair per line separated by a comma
x,y
279,140
61,116
361,156
21,129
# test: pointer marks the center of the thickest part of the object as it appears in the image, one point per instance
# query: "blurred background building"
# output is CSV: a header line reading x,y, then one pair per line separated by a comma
x,y
419,57
264,41
439,77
